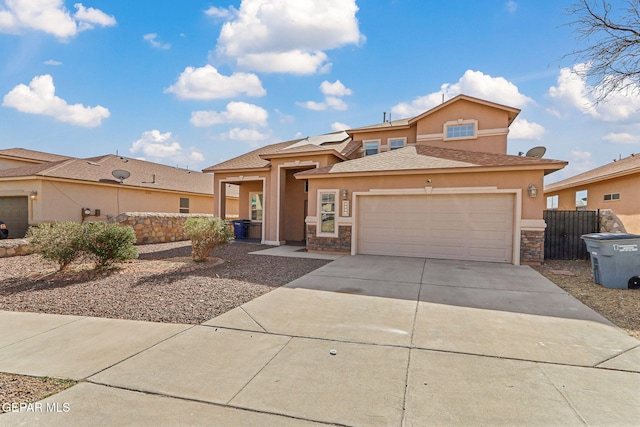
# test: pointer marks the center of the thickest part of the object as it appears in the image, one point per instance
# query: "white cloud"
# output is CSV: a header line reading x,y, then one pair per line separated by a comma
x,y
50,16
472,83
579,161
621,138
511,6
236,112
207,83
332,92
288,35
246,135
572,92
295,62
220,12
312,105
88,17
39,98
523,129
163,148
52,62
334,89
337,126
152,38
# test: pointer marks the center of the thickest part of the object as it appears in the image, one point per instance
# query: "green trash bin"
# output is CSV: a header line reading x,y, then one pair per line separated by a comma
x,y
615,258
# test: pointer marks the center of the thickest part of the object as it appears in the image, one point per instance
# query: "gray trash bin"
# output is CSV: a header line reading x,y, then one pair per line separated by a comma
x,y
615,258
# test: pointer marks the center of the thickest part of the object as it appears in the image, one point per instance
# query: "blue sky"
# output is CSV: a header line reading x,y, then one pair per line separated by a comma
x,y
198,82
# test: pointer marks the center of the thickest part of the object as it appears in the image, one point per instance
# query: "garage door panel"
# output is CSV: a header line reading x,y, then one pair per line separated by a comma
x,y
467,227
14,212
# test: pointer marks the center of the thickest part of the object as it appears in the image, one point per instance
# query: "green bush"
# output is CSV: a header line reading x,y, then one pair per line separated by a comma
x,y
109,243
60,242
206,234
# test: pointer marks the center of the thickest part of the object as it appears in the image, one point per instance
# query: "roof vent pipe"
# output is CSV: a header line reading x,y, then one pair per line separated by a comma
x,y
384,117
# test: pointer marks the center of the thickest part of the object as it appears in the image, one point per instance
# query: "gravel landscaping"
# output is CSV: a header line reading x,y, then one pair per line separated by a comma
x,y
17,389
163,285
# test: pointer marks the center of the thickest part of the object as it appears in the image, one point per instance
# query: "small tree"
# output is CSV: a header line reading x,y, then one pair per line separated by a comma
x,y
109,243
60,242
206,234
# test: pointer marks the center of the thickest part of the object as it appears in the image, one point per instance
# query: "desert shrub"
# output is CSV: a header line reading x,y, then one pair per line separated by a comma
x,y
60,242
108,243
206,234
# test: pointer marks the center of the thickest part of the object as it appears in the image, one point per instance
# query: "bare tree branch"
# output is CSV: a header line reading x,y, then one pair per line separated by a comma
x,y
610,33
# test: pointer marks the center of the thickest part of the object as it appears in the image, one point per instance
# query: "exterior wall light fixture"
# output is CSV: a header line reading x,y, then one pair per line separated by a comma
x,y
532,190
345,194
33,195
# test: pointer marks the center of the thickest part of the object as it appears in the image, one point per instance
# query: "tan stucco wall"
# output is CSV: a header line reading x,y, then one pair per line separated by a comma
x,y
233,207
627,208
60,200
489,119
532,208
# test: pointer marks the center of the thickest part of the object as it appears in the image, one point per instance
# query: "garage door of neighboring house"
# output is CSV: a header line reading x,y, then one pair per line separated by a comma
x,y
14,212
475,227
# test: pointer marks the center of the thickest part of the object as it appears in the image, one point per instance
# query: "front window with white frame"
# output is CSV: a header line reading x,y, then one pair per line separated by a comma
x,y
255,206
327,204
397,143
369,148
461,129
552,202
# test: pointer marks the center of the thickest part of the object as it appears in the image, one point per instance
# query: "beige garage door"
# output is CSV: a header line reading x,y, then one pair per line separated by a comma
x,y
14,211
477,227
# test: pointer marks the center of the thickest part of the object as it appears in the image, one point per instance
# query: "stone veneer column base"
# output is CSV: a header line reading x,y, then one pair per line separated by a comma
x,y
531,246
342,243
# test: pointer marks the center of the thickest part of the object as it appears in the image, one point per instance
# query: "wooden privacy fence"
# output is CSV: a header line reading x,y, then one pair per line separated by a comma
x,y
564,228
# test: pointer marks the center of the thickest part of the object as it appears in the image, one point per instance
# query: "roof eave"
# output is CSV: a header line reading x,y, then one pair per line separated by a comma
x,y
303,153
234,170
591,180
513,112
464,169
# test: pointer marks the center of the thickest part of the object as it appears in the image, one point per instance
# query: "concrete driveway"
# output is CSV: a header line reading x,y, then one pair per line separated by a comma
x,y
417,342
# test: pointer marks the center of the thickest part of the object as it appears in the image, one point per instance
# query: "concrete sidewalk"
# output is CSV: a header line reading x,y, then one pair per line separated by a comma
x,y
416,342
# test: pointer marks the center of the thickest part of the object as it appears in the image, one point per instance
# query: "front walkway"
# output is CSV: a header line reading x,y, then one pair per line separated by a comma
x,y
364,340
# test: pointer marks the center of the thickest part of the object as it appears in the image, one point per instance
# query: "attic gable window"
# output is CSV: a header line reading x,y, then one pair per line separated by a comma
x,y
461,129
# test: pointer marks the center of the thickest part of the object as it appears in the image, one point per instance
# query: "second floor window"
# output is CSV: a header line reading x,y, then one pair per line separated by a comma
x,y
461,131
396,143
371,147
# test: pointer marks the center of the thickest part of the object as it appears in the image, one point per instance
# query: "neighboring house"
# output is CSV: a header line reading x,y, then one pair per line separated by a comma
x,y
16,157
438,185
613,186
44,187
232,202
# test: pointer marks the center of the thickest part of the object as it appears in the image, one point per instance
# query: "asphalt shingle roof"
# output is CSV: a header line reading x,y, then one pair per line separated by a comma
x,y
624,166
99,169
23,153
426,157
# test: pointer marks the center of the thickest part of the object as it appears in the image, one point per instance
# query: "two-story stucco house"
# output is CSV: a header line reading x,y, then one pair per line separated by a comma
x,y
438,185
